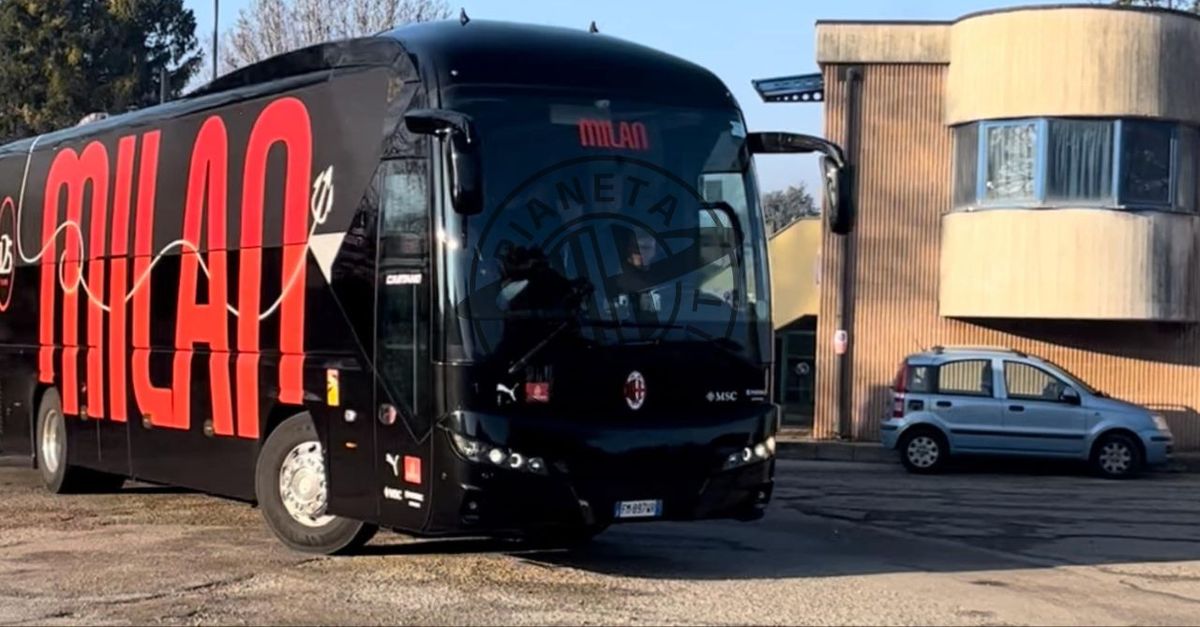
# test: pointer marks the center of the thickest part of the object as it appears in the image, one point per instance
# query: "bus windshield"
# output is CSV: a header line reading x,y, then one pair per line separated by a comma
x,y
635,221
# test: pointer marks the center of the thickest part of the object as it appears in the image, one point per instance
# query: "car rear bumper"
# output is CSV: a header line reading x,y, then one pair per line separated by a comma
x,y
889,432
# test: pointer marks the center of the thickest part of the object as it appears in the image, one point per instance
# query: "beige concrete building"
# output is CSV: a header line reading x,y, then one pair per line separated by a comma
x,y
1025,178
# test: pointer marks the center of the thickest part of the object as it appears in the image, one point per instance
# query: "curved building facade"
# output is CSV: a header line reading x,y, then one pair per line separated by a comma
x,y
1026,178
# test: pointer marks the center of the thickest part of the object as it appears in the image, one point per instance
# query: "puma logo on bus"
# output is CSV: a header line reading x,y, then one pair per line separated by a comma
x,y
393,460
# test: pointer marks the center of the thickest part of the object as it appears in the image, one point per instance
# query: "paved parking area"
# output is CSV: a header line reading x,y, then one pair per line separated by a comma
x,y
843,543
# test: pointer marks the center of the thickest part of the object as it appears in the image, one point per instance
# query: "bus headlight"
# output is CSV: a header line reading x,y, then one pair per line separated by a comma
x,y
761,451
481,452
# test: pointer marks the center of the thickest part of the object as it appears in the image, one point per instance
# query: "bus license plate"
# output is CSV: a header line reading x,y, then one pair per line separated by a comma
x,y
638,509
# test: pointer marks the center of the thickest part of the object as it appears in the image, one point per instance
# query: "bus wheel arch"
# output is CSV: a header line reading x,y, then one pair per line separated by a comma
x,y
276,416
37,393
289,486
58,475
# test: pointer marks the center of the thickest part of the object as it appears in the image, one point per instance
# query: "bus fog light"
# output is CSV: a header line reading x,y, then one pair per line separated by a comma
x,y
497,456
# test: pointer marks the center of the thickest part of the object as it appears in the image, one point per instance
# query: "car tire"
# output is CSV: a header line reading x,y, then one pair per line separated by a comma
x,y
51,441
290,482
923,450
1117,456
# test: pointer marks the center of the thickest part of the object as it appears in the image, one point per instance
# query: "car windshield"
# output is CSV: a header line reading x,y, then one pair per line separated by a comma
x,y
638,221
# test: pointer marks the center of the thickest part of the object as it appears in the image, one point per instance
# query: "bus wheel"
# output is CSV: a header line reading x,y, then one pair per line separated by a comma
x,y
57,475
290,484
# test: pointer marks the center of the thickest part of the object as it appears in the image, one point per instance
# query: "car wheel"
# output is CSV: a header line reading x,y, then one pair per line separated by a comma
x,y
58,476
290,484
923,450
1117,456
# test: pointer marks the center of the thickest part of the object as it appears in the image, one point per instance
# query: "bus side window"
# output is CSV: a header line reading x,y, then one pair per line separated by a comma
x,y
402,319
404,210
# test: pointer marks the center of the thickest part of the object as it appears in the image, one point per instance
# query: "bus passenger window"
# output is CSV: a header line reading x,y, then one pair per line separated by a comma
x,y
404,212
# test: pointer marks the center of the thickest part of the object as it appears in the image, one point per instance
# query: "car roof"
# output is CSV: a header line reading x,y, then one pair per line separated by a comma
x,y
943,354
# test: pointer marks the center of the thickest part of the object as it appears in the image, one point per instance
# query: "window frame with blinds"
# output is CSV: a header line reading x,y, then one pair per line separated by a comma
x,y
1077,162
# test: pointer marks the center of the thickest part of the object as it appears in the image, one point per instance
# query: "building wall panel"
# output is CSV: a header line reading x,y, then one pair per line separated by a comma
x,y
1087,61
1072,264
794,253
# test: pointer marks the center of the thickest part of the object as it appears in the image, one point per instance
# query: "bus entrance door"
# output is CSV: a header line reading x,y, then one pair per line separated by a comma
x,y
402,361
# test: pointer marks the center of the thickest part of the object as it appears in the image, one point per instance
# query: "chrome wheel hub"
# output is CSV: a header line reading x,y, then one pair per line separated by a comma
x,y
1116,458
302,485
923,451
52,441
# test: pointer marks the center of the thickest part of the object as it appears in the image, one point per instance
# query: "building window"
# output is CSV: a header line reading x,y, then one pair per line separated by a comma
x,y
1146,162
1079,160
1010,155
1044,162
966,163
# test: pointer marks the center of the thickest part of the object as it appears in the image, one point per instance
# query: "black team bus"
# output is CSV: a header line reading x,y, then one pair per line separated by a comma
x,y
462,278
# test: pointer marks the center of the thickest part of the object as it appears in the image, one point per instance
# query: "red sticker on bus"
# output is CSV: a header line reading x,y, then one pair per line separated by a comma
x,y
608,134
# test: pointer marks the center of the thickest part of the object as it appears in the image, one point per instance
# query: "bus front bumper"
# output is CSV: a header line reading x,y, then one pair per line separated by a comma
x,y
501,500
604,475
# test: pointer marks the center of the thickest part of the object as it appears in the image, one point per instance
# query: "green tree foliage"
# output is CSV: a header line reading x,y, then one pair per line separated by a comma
x,y
63,59
785,206
1180,5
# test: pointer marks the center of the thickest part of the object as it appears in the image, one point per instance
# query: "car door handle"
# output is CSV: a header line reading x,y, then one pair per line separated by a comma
x,y
944,403
1016,408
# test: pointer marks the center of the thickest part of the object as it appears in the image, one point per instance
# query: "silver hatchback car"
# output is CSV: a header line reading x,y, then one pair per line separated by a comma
x,y
990,401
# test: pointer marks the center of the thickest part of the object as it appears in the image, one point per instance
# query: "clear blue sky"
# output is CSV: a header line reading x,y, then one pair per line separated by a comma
x,y
739,40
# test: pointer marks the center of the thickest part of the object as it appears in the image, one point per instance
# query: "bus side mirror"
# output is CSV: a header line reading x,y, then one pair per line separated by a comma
x,y
459,152
838,201
839,181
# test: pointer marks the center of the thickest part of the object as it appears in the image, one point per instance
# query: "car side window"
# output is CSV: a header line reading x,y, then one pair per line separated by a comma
x,y
920,379
970,377
1028,382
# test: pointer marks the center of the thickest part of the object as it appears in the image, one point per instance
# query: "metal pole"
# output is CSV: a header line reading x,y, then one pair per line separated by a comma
x,y
844,313
216,20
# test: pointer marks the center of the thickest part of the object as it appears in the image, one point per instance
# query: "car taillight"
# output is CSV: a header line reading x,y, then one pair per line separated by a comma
x,y
899,387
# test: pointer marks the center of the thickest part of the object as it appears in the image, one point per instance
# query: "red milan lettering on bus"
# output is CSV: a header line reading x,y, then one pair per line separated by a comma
x,y
203,307
607,134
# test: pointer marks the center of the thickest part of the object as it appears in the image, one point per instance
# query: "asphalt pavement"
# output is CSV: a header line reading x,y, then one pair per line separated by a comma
x,y
842,543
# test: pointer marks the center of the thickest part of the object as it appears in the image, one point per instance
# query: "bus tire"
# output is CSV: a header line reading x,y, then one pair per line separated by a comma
x,y
58,476
289,483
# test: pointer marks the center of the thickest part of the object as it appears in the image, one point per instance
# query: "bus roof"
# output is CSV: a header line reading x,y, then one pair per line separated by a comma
x,y
448,53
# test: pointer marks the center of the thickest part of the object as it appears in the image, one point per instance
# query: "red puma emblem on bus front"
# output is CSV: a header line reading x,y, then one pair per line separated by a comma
x,y
201,321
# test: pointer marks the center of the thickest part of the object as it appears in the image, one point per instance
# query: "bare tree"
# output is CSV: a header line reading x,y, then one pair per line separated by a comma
x,y
1179,5
266,28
